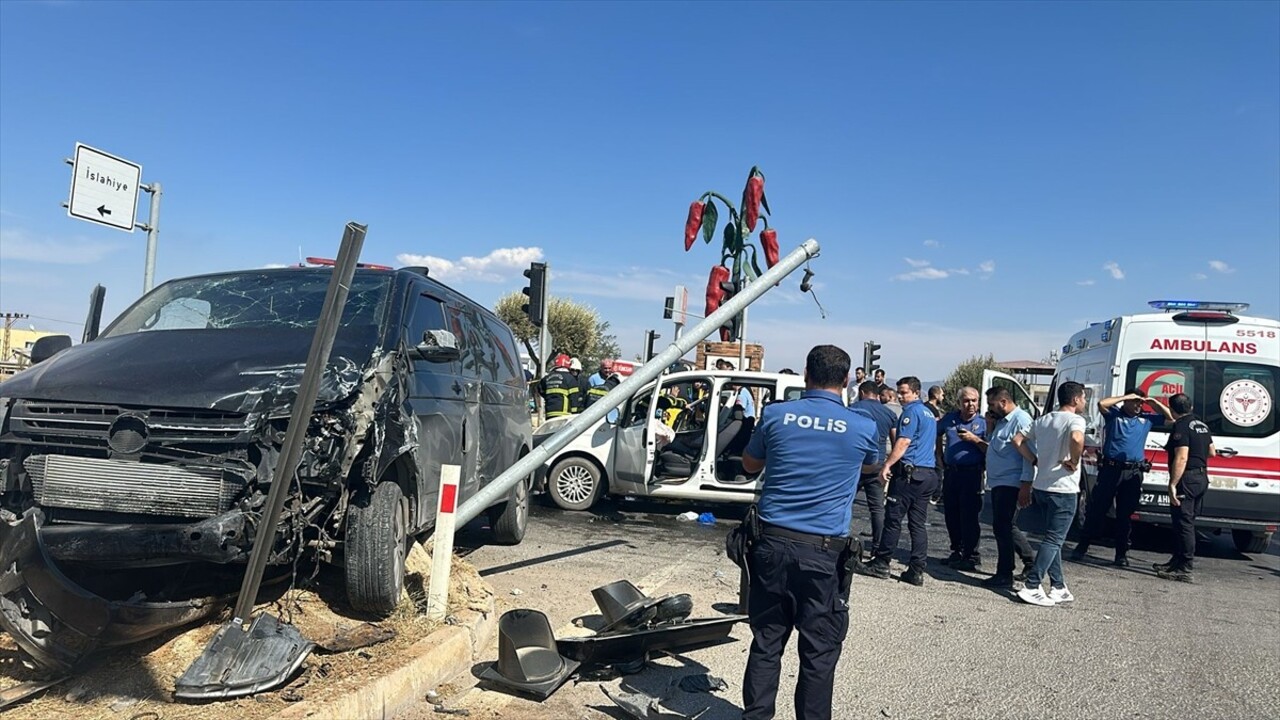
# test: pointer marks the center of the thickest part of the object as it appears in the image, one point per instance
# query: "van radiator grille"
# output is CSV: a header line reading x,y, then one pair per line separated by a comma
x,y
127,486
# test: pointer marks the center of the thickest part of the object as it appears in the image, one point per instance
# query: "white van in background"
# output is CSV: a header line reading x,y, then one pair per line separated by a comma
x,y
1229,364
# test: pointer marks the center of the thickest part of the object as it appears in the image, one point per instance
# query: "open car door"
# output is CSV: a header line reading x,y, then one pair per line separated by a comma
x,y
1021,398
634,447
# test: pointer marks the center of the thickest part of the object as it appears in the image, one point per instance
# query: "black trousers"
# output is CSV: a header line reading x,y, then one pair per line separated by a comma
x,y
1004,525
962,506
873,490
909,498
793,585
1191,489
1121,484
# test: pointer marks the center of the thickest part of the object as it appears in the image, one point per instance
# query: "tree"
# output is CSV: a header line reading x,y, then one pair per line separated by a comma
x,y
967,373
576,328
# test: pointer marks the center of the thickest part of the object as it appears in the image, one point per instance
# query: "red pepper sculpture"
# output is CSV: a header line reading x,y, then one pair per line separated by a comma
x,y
693,224
769,242
751,198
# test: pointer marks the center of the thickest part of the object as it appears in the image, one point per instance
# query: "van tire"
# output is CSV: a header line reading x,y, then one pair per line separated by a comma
x,y
575,483
1251,542
377,542
508,521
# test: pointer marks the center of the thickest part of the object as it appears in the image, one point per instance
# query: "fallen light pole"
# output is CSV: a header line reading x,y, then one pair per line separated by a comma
x,y
501,486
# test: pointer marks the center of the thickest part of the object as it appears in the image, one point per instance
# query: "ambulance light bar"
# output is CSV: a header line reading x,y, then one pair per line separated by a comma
x,y
1171,305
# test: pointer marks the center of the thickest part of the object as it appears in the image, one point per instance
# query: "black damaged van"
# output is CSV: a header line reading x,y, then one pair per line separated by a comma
x,y
153,445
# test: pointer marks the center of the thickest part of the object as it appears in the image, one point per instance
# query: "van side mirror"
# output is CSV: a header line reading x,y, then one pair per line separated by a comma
x,y
48,346
437,346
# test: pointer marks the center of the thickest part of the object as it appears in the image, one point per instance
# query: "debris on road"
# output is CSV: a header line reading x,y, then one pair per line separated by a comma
x,y
22,691
442,710
517,591
706,518
689,516
702,683
645,707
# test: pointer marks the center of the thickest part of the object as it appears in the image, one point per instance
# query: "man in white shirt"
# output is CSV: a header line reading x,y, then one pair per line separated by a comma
x,y
1053,445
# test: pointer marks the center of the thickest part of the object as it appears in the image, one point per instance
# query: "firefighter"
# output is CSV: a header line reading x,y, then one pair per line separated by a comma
x,y
559,389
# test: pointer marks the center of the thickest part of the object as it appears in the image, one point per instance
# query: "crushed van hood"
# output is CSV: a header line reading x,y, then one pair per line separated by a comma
x,y
240,370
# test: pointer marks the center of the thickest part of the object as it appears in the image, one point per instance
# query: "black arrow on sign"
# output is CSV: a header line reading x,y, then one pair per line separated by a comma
x,y
102,210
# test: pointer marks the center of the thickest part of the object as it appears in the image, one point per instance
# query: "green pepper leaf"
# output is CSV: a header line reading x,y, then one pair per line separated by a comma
x,y
730,239
755,264
710,216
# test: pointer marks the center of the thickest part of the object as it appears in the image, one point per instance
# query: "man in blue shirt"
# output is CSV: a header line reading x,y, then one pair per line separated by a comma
x,y
960,451
1005,468
815,448
912,468
1120,468
869,484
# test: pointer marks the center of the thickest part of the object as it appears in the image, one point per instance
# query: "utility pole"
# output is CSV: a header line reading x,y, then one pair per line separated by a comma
x,y
9,320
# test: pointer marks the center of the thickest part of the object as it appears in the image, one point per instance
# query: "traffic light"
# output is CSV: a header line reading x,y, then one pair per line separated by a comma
x,y
669,309
649,337
536,307
870,356
732,330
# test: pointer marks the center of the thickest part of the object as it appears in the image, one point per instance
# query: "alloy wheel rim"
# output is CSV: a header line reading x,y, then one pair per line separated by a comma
x,y
575,484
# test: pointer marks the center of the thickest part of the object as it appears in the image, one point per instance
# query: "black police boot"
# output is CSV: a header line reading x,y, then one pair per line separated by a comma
x,y
913,576
999,582
953,558
969,563
1121,561
1163,566
1179,574
877,568
1021,575
1081,553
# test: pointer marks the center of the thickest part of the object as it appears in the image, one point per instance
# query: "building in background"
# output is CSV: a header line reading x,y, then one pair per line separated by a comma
x,y
15,347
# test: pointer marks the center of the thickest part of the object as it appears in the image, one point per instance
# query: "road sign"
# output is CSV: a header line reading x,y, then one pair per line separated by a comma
x,y
682,305
104,188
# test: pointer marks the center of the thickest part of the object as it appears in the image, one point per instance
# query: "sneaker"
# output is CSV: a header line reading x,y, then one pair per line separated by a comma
x,y
913,576
1176,574
1060,595
953,558
876,568
998,582
1120,561
1035,596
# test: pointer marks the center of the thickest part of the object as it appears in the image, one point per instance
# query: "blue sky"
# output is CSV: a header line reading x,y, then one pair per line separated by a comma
x,y
982,177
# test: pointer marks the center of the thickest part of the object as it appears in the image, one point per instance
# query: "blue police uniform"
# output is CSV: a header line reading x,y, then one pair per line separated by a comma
x,y
870,484
814,448
913,482
1119,478
962,484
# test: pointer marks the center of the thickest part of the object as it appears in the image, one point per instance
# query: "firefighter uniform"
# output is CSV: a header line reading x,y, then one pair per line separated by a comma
x,y
560,393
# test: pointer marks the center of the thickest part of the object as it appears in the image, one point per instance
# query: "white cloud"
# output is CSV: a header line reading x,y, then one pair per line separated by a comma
x,y
494,267
18,244
633,283
1221,266
987,266
1199,276
958,271
1114,269
925,273
917,263
932,244
1085,282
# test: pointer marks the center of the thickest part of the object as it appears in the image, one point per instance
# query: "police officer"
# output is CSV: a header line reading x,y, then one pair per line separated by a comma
x,y
799,560
559,389
1190,446
911,474
869,484
963,434
1120,469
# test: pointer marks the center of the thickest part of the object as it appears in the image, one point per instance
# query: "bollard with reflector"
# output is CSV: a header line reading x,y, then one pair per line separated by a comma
x,y
442,548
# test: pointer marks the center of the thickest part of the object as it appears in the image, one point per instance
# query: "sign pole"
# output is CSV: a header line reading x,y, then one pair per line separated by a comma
x,y
442,543
153,235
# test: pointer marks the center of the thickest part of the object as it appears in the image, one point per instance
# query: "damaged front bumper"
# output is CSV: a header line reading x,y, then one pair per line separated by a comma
x,y
56,621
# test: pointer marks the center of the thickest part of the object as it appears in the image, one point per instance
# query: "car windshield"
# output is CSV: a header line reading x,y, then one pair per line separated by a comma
x,y
258,299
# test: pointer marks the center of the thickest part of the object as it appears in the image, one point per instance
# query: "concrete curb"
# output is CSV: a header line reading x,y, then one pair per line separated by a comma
x,y
426,665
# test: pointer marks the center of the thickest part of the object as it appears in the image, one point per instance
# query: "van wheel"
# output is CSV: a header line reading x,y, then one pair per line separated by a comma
x,y
575,484
509,520
1251,542
377,542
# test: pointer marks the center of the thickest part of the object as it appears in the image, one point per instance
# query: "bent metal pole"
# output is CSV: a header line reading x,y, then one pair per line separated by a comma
x,y
501,485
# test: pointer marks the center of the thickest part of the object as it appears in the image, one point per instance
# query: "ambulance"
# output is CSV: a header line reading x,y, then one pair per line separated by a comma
x,y
1229,364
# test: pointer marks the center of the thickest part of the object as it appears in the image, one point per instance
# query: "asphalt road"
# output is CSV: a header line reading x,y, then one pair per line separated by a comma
x,y
1131,646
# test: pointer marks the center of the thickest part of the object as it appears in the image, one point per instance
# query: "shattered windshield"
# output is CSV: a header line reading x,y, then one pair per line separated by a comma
x,y
259,299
